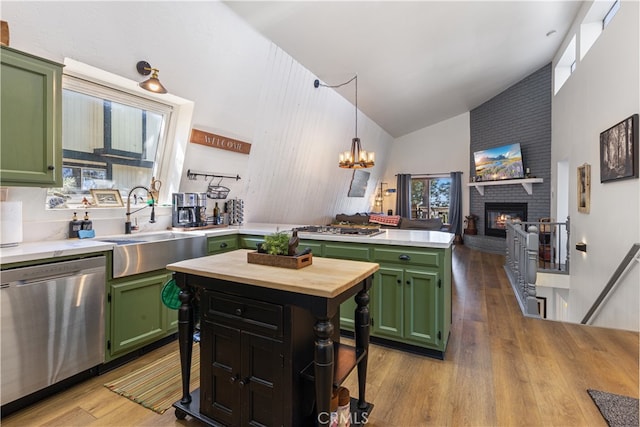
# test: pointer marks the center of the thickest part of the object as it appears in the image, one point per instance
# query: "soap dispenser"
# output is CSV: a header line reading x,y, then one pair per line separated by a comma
x,y
87,224
75,225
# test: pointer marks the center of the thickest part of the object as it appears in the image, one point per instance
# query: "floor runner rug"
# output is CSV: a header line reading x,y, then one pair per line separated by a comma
x,y
158,385
617,410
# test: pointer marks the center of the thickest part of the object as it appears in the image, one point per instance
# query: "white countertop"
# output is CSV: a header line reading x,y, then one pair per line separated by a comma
x,y
31,251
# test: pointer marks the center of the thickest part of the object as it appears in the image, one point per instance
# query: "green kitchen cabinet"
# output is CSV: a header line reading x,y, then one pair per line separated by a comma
x,y
30,120
249,241
412,291
354,252
137,316
405,307
221,244
315,246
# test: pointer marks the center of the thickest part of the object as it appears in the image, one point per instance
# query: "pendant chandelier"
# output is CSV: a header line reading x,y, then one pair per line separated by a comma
x,y
356,158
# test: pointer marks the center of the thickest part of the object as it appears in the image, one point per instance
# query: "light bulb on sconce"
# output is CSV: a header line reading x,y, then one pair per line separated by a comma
x,y
152,84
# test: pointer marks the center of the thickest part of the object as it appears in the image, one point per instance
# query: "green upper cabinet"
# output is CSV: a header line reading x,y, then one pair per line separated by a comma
x,y
31,120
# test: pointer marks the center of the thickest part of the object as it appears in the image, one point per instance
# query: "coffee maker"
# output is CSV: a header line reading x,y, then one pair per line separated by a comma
x,y
189,209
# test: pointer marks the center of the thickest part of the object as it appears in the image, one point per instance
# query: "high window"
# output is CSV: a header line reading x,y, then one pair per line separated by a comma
x,y
430,197
116,136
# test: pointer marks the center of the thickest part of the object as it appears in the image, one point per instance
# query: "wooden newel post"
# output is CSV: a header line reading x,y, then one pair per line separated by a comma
x,y
323,370
185,334
532,270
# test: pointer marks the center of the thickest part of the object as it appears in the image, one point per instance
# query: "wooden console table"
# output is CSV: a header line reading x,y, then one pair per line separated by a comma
x,y
270,345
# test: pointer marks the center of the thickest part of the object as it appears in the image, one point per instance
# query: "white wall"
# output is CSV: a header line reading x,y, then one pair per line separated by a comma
x,y
441,148
243,86
603,90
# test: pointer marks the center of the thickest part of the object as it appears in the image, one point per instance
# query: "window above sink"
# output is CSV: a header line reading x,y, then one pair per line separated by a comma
x,y
117,136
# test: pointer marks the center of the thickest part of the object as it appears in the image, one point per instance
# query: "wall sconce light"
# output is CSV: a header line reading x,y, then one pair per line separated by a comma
x,y
581,246
356,158
152,84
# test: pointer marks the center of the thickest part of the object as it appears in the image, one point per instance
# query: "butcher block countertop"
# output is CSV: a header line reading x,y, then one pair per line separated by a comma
x,y
326,277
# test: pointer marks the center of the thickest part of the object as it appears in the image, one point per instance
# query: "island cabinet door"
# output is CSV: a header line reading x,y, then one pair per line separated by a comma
x,y
421,293
220,373
261,381
387,317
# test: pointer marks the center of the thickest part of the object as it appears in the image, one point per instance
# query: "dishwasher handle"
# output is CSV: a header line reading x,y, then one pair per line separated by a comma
x,y
45,279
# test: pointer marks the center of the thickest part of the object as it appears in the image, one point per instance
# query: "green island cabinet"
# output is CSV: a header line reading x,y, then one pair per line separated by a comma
x,y
410,300
30,120
412,291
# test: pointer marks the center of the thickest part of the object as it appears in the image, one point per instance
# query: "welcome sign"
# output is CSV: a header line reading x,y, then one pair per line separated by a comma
x,y
219,141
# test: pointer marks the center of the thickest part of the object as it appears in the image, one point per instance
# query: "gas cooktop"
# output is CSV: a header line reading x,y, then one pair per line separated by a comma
x,y
328,229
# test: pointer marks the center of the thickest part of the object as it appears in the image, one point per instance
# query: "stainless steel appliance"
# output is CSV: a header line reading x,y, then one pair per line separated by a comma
x,y
189,209
52,323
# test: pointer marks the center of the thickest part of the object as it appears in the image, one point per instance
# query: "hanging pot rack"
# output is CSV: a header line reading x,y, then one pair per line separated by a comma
x,y
193,175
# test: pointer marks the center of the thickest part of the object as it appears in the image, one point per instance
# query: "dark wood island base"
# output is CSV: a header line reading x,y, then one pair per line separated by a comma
x,y
270,343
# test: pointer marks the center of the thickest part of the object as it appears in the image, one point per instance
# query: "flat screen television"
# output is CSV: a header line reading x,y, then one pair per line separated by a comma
x,y
494,164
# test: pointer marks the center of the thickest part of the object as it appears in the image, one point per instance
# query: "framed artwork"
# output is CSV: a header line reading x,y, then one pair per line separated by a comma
x,y
584,188
542,307
359,183
107,198
619,151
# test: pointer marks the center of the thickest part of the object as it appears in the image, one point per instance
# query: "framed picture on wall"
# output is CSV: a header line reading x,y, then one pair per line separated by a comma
x,y
359,183
584,188
619,151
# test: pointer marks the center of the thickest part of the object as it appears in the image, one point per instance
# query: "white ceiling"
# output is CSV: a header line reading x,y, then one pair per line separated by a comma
x,y
418,62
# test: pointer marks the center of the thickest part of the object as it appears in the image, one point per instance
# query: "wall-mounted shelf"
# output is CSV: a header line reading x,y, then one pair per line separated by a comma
x,y
526,183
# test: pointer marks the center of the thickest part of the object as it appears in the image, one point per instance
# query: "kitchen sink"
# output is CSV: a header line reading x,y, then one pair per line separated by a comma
x,y
140,253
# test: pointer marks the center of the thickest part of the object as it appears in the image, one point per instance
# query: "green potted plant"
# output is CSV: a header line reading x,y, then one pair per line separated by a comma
x,y
276,244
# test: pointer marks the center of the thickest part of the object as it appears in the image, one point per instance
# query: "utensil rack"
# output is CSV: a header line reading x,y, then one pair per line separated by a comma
x,y
192,175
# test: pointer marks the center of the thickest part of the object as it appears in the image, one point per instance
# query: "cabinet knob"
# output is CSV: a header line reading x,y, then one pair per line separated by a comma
x,y
238,312
404,257
399,282
244,382
234,378
51,167
223,245
408,282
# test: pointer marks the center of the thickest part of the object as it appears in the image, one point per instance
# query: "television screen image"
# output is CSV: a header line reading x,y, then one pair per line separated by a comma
x,y
498,163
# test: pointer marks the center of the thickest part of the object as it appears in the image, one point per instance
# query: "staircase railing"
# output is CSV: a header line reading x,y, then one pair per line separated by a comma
x,y
522,265
625,265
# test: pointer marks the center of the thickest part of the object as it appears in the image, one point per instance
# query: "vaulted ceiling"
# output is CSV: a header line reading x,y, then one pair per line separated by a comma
x,y
418,62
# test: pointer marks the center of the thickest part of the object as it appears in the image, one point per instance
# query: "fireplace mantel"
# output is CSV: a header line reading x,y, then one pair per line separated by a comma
x,y
526,183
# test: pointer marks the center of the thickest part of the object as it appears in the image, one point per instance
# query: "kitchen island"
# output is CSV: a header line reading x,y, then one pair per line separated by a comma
x,y
267,338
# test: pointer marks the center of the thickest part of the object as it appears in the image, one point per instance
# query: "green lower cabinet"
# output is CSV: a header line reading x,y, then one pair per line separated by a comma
x,y
355,252
249,242
137,315
316,247
221,244
405,306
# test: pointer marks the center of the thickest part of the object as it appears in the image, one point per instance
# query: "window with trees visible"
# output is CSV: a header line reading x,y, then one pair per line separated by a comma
x,y
430,198
110,139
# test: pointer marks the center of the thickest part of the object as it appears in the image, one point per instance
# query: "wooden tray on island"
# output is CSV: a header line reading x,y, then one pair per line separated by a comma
x,y
280,260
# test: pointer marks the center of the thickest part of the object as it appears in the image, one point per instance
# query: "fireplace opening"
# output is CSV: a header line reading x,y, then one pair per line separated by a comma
x,y
496,216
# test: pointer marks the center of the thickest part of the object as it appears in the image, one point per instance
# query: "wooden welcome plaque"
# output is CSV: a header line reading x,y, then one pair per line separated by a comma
x,y
219,141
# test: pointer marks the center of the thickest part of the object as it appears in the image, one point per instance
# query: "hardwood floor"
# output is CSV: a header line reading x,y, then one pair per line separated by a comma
x,y
500,369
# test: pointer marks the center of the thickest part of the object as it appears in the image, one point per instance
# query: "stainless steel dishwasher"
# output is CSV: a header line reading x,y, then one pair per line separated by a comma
x,y
52,323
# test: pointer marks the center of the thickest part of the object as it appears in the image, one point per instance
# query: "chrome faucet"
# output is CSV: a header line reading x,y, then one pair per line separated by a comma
x,y
127,224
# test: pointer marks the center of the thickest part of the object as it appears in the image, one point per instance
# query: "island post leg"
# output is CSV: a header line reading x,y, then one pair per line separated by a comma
x,y
185,334
323,369
362,322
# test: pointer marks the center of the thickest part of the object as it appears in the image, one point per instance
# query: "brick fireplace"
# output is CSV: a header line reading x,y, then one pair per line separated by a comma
x,y
522,113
